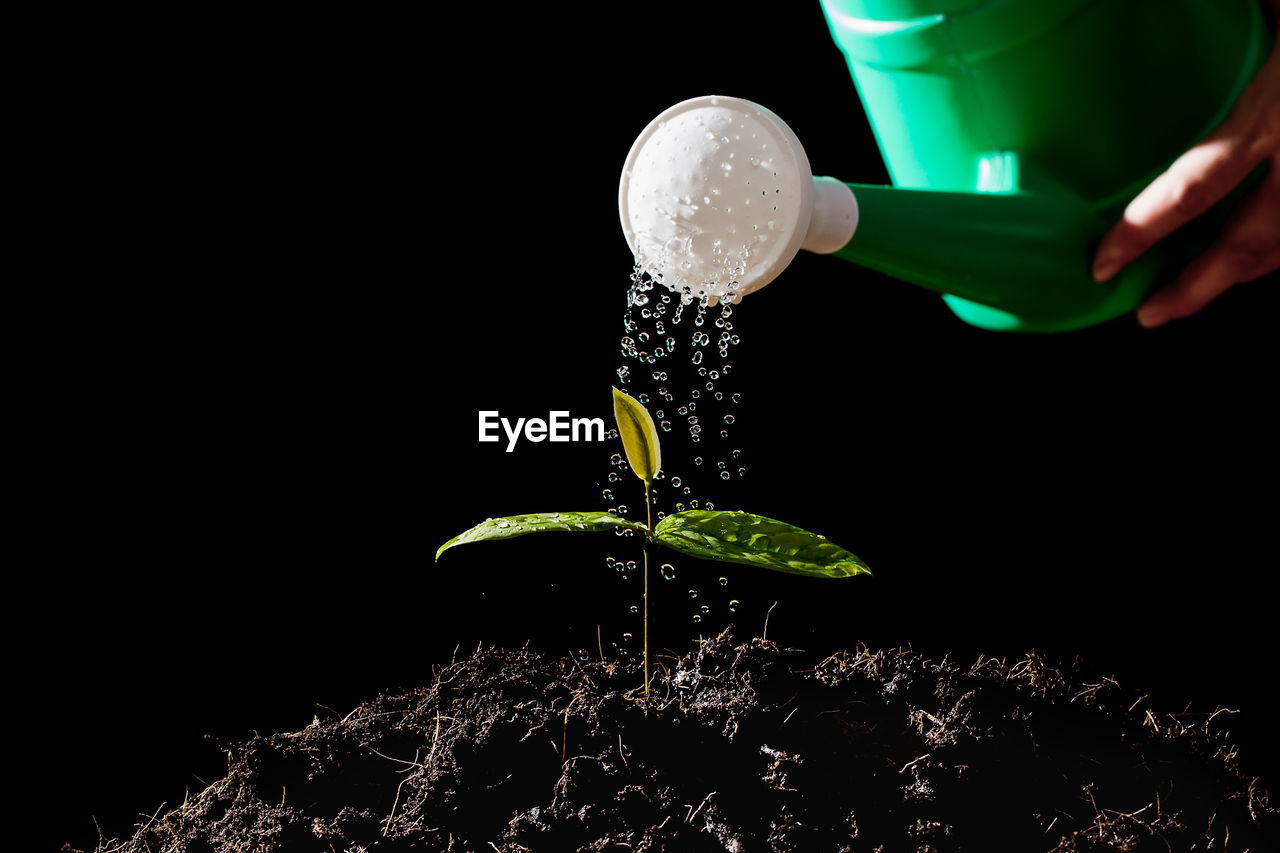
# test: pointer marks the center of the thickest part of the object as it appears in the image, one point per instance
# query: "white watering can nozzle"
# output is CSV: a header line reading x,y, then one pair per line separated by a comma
x,y
717,198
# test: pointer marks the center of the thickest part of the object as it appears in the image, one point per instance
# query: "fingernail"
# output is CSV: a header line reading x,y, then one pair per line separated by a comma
x,y
1105,268
1149,318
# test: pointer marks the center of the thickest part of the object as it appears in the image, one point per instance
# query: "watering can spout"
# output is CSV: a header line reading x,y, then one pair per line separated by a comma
x,y
1010,261
717,198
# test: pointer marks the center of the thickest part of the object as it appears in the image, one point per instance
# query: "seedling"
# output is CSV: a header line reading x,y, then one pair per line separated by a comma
x,y
731,537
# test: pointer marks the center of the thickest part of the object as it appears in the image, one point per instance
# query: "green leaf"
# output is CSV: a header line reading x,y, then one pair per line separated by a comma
x,y
639,436
740,537
519,525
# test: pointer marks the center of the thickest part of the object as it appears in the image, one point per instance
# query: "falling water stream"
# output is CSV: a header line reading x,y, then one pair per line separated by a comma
x,y
675,356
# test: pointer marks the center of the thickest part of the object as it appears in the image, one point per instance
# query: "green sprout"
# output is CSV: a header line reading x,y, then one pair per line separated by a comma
x,y
731,537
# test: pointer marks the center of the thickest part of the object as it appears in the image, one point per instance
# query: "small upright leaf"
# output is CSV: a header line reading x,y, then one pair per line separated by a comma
x,y
639,436
519,525
740,537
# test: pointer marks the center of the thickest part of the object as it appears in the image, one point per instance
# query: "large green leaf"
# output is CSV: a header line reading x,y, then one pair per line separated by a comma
x,y
639,436
740,537
519,525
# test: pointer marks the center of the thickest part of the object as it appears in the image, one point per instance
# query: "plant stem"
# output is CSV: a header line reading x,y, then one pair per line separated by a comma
x,y
648,507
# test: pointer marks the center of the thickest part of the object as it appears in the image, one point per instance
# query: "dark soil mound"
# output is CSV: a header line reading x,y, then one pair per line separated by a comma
x,y
743,749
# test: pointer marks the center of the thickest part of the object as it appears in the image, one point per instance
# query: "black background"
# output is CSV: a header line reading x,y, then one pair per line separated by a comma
x,y
304,253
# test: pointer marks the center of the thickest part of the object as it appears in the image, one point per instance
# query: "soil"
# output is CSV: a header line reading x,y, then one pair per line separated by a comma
x,y
744,747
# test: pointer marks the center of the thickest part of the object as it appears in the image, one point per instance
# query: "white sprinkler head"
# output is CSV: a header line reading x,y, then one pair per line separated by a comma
x,y
717,198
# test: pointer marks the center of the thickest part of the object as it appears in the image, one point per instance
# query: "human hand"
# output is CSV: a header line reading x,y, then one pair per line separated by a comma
x,y
1249,245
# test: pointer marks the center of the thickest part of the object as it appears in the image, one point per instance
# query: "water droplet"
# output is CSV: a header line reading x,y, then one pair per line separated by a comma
x,y
622,509
729,419
724,475
668,572
697,460
733,606
693,593
675,482
696,618
626,638
634,609
724,581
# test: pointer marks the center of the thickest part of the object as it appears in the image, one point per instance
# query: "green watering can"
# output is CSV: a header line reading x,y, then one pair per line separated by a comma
x,y
1014,131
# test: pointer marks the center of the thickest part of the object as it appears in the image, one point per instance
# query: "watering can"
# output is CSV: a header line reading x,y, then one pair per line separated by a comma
x,y
1015,132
